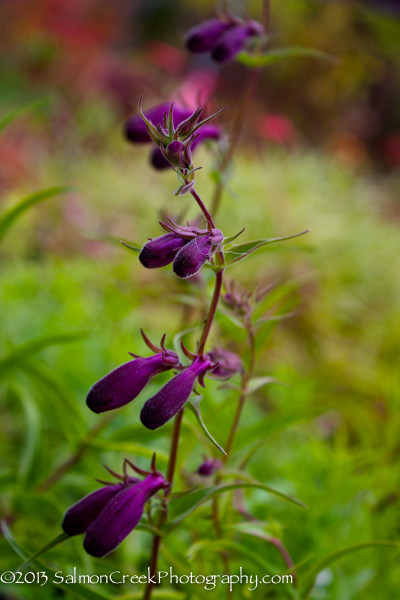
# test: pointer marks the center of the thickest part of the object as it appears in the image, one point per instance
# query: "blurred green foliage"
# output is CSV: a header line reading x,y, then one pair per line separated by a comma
x,y
72,300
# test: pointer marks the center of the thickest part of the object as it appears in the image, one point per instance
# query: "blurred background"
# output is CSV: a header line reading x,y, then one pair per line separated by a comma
x,y
320,150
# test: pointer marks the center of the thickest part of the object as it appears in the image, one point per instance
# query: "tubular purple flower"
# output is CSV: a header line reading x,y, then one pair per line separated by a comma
x,y
231,43
121,515
135,127
161,251
109,514
78,518
126,382
194,254
204,36
159,409
229,363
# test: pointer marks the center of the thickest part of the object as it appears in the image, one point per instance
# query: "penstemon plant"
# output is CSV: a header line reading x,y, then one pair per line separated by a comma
x,y
108,515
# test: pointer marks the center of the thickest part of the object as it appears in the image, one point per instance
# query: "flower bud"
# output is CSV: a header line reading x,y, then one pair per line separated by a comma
x,y
204,36
228,365
178,154
161,251
135,128
159,409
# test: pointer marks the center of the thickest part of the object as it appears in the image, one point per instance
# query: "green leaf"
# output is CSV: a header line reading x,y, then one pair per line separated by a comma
x,y
241,549
8,218
32,436
241,251
255,383
21,110
230,239
273,56
180,508
20,353
60,538
78,589
133,248
171,559
157,594
194,407
309,577
238,474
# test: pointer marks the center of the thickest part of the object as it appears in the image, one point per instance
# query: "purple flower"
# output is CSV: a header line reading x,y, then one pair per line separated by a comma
x,y
159,409
225,37
109,514
208,467
194,254
203,37
231,43
136,132
127,381
161,251
187,247
229,363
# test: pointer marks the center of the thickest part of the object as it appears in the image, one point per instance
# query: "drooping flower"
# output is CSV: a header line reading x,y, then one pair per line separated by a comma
x,y
159,409
229,363
187,247
203,37
109,514
224,37
209,466
233,41
127,381
137,133
194,254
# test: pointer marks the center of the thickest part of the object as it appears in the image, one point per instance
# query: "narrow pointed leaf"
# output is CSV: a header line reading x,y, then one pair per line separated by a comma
x,y
241,251
256,383
273,56
149,529
194,407
9,217
180,508
24,351
309,578
133,248
32,437
230,239
60,538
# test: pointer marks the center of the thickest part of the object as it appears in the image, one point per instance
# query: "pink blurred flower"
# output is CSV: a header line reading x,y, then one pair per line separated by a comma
x,y
277,128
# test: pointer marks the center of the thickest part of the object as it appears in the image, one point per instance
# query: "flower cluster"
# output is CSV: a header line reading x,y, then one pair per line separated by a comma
x,y
188,248
174,141
127,381
136,130
109,514
224,36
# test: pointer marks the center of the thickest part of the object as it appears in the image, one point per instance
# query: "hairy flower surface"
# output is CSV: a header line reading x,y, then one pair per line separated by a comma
x,y
127,381
109,514
136,132
195,253
224,37
159,409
